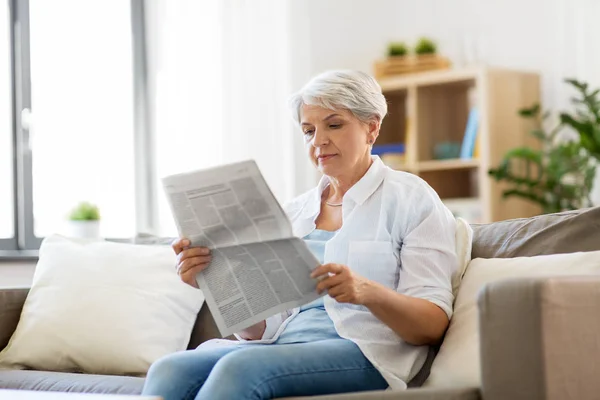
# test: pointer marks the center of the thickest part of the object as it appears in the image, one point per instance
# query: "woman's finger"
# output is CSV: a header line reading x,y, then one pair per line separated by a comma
x,y
179,245
327,268
330,282
193,252
193,262
336,291
189,276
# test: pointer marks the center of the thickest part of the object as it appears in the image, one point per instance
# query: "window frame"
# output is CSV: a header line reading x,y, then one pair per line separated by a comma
x,y
24,243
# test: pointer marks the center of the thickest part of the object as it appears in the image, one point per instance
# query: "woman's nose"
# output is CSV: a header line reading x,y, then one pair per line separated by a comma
x,y
320,138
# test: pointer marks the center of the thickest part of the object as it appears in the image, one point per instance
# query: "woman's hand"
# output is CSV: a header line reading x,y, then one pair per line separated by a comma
x,y
342,284
190,261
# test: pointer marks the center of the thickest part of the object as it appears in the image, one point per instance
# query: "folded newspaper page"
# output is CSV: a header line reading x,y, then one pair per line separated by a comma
x,y
258,268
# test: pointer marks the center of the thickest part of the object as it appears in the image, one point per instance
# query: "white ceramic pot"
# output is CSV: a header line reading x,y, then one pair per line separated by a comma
x,y
84,229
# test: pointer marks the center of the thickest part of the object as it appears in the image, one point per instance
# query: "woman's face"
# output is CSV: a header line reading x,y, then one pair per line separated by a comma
x,y
337,141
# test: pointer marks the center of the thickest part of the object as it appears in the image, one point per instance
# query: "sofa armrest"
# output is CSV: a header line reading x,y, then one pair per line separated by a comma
x,y
540,338
11,304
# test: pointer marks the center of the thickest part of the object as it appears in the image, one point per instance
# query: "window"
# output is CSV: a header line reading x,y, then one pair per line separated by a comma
x,y
82,108
6,129
72,112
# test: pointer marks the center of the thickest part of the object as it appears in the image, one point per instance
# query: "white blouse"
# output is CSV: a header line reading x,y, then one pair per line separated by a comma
x,y
396,231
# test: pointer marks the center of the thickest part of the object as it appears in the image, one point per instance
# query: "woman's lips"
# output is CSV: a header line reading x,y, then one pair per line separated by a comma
x,y
326,157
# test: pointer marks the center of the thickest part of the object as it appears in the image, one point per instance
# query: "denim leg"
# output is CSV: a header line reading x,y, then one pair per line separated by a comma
x,y
283,370
179,376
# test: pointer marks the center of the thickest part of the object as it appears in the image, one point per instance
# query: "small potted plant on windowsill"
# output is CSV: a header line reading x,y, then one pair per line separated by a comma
x,y
84,221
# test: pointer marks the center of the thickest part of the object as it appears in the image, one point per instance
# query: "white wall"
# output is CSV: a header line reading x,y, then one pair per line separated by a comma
x,y
557,38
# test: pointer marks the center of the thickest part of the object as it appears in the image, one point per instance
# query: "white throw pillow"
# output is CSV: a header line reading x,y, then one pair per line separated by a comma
x,y
457,363
103,308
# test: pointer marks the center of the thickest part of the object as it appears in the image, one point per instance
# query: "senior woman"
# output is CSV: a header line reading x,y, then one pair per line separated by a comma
x,y
386,244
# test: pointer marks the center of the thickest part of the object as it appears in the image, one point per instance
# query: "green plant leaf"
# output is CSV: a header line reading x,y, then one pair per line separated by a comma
x,y
530,112
425,46
396,49
85,211
539,134
596,135
579,126
579,85
525,153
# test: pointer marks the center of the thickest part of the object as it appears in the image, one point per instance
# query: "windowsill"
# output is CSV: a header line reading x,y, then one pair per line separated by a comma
x,y
18,255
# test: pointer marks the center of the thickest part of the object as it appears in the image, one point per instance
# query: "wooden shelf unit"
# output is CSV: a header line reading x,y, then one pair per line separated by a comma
x,y
430,108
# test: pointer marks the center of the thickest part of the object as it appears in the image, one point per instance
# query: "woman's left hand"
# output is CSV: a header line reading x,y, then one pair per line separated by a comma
x,y
342,284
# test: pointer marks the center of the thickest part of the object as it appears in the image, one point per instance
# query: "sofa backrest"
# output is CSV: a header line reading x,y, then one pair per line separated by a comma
x,y
565,232
11,300
205,328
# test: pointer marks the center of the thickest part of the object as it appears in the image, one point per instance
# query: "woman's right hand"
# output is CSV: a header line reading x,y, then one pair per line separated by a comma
x,y
190,260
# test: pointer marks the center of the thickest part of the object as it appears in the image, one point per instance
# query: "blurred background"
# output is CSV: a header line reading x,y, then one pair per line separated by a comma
x,y
100,99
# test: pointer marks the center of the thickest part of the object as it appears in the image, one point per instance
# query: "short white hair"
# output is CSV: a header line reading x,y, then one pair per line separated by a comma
x,y
354,91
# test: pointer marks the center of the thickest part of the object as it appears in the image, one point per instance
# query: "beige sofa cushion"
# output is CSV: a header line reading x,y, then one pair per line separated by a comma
x,y
458,361
565,232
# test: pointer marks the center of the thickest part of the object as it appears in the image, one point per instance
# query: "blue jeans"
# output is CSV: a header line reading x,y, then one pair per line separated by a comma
x,y
262,371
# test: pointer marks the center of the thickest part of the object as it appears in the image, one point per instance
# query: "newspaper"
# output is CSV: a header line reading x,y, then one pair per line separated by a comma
x,y
258,267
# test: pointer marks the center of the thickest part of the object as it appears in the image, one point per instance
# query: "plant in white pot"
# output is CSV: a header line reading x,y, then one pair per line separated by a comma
x,y
84,221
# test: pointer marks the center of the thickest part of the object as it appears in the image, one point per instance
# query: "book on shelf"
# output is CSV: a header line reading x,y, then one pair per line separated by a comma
x,y
477,150
468,145
395,148
392,154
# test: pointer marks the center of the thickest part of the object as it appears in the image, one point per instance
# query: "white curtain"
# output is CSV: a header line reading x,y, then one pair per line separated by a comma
x,y
220,77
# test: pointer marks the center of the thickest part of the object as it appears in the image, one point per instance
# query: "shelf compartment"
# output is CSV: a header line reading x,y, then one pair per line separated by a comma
x,y
442,114
453,183
393,128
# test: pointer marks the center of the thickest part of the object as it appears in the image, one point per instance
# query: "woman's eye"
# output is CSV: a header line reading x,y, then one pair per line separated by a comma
x,y
335,126
309,132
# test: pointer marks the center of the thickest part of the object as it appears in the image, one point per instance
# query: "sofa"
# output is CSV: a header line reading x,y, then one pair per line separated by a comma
x,y
523,356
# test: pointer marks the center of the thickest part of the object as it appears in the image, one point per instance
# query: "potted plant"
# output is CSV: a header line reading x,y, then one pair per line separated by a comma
x,y
425,46
400,60
561,174
397,49
84,221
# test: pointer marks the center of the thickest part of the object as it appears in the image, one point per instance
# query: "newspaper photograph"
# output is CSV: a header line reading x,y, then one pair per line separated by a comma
x,y
258,267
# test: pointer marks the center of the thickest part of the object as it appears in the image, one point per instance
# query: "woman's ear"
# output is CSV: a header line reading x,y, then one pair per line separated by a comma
x,y
373,133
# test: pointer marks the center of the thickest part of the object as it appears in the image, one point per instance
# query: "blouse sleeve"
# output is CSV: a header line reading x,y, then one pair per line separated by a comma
x,y
428,252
